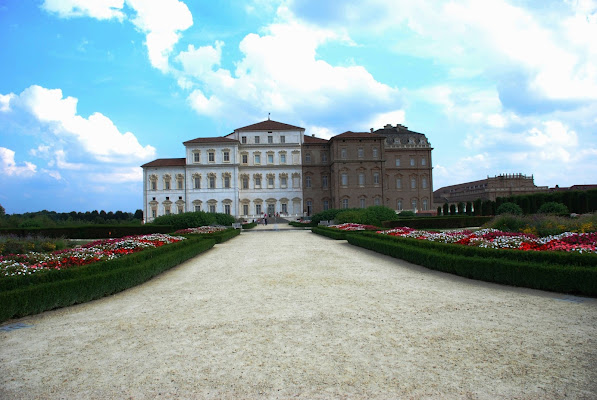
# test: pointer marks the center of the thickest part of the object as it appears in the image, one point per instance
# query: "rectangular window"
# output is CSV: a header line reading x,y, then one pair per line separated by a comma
x,y
345,180
375,152
197,208
376,201
211,156
344,203
258,209
309,207
270,158
324,157
196,157
399,205
180,210
212,182
154,185
282,139
270,139
243,139
343,154
361,152
296,179
414,204
397,161
167,185
197,182
308,157
179,184
282,158
423,161
226,156
167,210
227,182
212,208
412,162
256,139
361,179
245,209
324,181
245,158
284,207
326,205
308,181
398,183
270,182
258,183
362,203
413,183
376,178
283,182
424,183
227,209
425,205
257,159
245,183
154,212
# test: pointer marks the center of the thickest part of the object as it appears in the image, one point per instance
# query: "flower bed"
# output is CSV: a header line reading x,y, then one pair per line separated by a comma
x,y
354,227
493,238
99,250
201,229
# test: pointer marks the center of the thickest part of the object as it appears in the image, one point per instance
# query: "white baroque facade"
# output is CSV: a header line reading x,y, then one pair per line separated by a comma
x,y
254,170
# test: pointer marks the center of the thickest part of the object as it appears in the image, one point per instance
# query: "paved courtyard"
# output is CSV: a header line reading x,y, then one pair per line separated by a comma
x,y
283,313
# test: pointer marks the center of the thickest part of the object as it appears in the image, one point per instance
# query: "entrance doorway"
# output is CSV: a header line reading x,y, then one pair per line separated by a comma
x,y
271,209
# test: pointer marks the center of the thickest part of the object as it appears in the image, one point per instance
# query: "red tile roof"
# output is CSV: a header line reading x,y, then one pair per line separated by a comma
x,y
210,140
356,135
314,140
270,125
166,162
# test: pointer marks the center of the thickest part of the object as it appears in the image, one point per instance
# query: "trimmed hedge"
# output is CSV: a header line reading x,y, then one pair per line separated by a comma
x,y
218,237
89,231
32,294
302,225
488,265
439,222
249,225
332,233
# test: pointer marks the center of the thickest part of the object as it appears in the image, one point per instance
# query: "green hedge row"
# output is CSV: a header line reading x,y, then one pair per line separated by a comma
x,y
332,233
219,237
89,231
580,280
249,225
544,257
31,294
302,225
438,222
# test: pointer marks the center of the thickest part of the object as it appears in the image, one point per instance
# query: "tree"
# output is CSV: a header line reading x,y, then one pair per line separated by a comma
x,y
452,209
139,214
461,206
439,211
469,208
446,208
552,207
509,208
2,211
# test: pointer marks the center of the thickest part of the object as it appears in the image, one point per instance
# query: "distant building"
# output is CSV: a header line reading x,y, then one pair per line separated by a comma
x,y
271,167
487,189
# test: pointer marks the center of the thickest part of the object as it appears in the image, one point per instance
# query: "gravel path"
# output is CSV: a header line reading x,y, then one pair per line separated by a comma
x,y
289,314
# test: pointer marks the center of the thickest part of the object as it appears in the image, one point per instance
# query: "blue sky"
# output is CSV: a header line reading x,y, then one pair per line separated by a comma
x,y
90,90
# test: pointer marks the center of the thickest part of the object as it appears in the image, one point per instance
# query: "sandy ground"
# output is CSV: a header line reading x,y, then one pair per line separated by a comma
x,y
289,314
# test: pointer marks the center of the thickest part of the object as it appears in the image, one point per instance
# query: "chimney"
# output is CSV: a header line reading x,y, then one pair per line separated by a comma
x,y
371,129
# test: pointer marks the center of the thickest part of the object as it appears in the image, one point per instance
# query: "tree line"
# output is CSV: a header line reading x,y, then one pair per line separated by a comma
x,y
45,218
577,201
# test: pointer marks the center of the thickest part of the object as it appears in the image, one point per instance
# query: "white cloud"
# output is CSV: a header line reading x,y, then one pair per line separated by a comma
x,y
382,119
97,134
52,173
161,21
5,101
281,73
99,9
9,167
120,175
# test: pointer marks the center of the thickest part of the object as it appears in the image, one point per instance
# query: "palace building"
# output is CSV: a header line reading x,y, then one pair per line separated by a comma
x,y
272,167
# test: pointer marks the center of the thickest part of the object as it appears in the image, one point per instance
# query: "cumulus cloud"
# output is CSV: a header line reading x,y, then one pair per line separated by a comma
x,y
99,9
5,101
97,134
9,167
279,72
161,21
